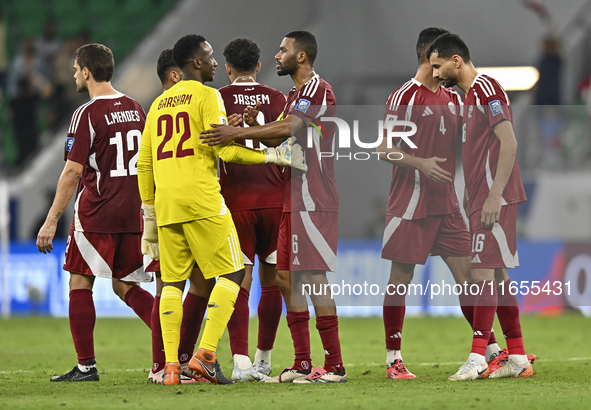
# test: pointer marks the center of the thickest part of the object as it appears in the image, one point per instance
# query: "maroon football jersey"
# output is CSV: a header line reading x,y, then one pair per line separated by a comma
x,y
437,116
315,190
104,136
247,187
485,105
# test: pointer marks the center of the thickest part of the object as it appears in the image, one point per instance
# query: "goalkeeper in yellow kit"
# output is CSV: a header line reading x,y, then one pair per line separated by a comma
x,y
185,218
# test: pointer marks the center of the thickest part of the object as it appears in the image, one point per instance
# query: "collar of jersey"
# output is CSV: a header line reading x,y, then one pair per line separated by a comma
x,y
475,78
248,83
109,97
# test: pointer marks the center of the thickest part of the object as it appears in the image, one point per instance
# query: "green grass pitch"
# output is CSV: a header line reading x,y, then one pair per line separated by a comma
x,y
35,348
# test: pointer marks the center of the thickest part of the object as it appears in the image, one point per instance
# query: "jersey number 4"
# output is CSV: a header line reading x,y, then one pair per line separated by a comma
x,y
165,123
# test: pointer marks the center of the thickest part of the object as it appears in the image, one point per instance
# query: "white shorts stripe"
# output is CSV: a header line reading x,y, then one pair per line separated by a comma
x,y
501,238
98,266
272,258
390,229
324,249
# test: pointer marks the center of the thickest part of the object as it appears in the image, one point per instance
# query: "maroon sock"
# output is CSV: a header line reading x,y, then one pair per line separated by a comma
x,y
142,303
158,357
492,339
328,327
394,310
485,306
194,308
82,320
238,324
270,306
300,334
467,306
508,312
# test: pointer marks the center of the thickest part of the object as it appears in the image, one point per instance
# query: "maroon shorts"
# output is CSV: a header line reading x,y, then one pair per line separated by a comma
x,y
412,241
115,255
495,248
151,265
307,241
257,231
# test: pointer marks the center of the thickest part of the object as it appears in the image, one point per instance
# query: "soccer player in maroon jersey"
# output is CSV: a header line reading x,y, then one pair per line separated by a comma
x,y
307,241
493,191
101,157
423,216
195,303
254,195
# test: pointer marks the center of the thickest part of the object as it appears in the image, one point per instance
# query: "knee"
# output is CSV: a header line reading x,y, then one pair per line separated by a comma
x,y
283,281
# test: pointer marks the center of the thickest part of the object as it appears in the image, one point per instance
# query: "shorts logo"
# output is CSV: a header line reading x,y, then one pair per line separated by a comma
x,y
69,143
223,120
302,105
295,261
495,107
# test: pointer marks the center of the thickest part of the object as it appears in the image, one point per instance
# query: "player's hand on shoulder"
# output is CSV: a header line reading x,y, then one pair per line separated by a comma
x,y
430,168
491,210
289,154
235,120
251,114
219,134
45,237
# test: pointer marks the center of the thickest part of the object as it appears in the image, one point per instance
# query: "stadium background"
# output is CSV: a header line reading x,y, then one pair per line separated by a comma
x,y
366,50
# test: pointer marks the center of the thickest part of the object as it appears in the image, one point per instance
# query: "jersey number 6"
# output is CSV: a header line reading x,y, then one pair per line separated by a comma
x,y
166,121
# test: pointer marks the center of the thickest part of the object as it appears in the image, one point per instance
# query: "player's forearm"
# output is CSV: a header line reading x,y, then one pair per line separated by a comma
x,y
507,153
240,154
396,156
145,175
273,130
65,189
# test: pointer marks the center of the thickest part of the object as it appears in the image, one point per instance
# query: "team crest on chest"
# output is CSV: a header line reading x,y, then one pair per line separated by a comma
x,y
452,107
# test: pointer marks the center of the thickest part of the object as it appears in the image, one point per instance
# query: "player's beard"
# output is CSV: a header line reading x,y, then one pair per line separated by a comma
x,y
82,87
290,67
449,79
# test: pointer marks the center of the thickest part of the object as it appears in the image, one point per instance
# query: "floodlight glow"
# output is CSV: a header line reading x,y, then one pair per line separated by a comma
x,y
513,78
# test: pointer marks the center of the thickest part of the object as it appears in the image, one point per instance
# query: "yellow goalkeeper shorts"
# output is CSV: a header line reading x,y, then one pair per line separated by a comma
x,y
211,242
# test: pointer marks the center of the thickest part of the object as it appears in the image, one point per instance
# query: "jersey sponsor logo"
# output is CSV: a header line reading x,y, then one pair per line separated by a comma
x,y
452,107
302,105
69,143
495,107
427,111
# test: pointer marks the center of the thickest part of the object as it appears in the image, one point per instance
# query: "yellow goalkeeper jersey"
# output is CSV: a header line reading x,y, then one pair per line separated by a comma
x,y
176,171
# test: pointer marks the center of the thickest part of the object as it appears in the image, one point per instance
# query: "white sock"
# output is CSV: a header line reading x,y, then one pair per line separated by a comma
x,y
492,349
520,359
84,368
264,356
392,356
478,358
242,361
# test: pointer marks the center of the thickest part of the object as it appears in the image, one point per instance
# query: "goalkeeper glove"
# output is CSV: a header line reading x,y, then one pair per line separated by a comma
x,y
150,235
289,153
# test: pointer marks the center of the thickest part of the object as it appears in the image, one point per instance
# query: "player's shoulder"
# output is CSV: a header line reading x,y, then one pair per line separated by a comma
x,y
315,87
403,95
488,87
452,94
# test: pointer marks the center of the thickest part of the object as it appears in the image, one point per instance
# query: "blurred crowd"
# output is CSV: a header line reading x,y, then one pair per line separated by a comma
x,y
37,88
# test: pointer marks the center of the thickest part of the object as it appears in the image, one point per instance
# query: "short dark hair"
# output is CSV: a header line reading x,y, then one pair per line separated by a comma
x,y
448,45
426,37
186,48
306,42
165,64
98,59
242,54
